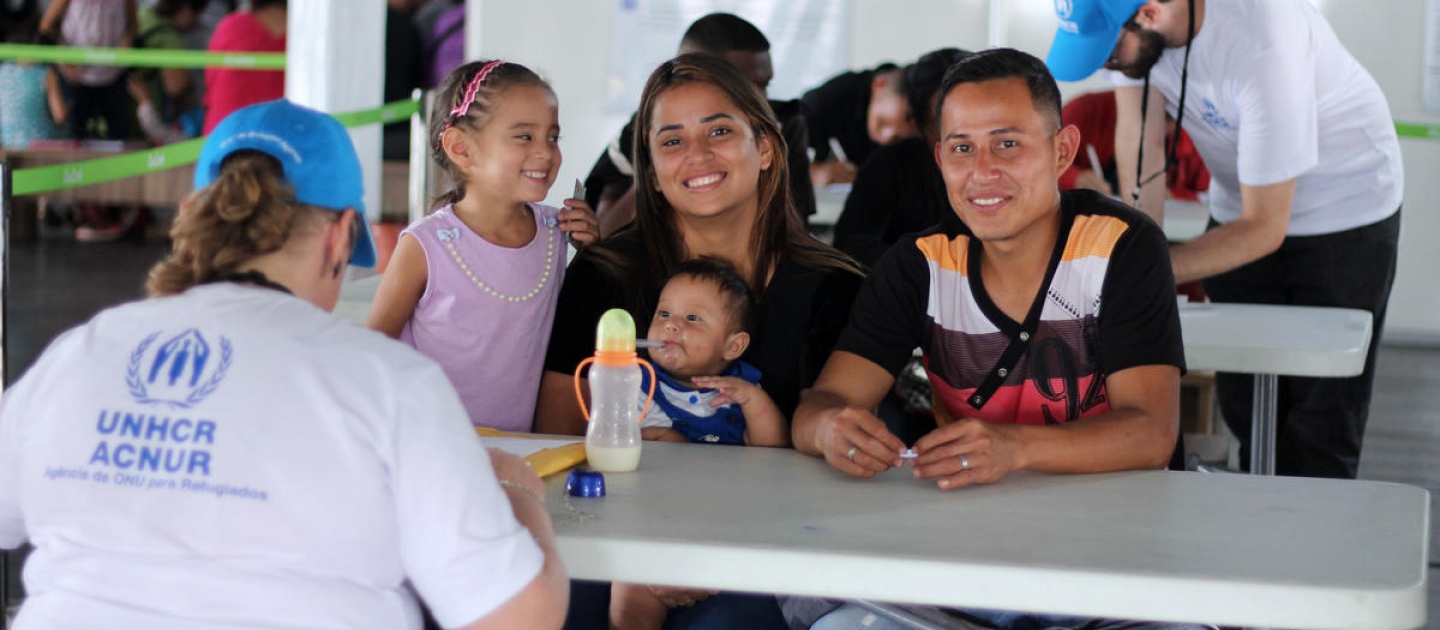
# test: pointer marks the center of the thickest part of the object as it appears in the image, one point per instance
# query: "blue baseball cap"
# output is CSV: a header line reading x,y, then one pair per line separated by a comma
x,y
314,151
1087,35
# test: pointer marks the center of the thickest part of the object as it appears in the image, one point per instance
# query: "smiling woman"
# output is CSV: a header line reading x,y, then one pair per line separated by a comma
x,y
710,181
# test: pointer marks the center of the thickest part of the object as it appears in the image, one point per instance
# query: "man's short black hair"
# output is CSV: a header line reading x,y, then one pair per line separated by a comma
x,y
1006,63
720,33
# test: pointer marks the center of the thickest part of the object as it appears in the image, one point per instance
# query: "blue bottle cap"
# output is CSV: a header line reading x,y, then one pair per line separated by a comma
x,y
585,483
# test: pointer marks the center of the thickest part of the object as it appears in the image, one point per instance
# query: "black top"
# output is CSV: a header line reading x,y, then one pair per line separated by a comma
x,y
404,71
790,114
838,110
899,191
798,318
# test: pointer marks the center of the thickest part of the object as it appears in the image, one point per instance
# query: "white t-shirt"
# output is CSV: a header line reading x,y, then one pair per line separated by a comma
x,y
1274,95
236,458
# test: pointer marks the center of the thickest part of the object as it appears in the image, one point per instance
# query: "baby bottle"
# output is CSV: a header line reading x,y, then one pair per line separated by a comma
x,y
612,442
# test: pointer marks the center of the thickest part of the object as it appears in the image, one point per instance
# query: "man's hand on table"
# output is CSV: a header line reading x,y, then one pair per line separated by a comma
x,y
967,452
856,442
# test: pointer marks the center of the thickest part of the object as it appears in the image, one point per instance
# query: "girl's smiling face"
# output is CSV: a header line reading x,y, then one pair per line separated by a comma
x,y
516,153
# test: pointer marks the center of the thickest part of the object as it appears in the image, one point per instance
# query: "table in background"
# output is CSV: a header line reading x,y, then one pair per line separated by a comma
x,y
156,188
1185,220
1223,549
1269,341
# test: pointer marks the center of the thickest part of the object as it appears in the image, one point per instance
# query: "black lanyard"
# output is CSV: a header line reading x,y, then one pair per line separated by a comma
x,y
250,277
1173,142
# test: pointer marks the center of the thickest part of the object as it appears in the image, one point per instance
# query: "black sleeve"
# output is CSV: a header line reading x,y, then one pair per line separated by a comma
x,y
606,172
791,115
824,115
865,220
888,320
1139,319
587,293
828,318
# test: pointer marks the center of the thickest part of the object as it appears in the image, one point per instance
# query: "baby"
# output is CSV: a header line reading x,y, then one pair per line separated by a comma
x,y
705,394
700,323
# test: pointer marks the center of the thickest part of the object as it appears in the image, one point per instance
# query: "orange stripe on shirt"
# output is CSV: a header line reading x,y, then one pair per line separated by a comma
x,y
949,254
1094,235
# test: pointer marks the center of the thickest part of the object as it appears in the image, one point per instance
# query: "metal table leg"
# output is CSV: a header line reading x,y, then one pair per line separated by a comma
x,y
1263,424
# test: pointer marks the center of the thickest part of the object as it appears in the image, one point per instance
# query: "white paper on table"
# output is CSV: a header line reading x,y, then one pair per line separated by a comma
x,y
522,446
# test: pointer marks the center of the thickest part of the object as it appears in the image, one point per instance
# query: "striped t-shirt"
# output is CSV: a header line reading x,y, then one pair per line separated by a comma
x,y
1108,304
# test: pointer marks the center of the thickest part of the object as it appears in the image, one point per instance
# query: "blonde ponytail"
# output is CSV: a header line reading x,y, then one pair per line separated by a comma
x,y
248,211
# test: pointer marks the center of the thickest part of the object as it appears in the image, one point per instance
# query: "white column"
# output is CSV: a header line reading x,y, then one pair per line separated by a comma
x,y
473,26
334,64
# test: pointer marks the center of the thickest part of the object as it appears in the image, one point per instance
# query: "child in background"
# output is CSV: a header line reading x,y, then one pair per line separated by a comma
x,y
97,103
701,322
705,393
473,286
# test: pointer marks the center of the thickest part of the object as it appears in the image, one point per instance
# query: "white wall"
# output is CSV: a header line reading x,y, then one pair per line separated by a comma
x,y
899,32
1387,37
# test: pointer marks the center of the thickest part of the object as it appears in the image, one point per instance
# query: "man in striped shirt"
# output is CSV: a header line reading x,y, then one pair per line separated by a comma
x,y
1048,320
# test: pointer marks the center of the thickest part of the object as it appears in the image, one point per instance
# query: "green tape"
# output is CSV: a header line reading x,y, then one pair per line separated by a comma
x,y
394,111
1419,131
46,178
142,57
30,181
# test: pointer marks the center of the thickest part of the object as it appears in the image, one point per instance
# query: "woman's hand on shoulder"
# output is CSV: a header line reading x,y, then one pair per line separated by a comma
x,y
578,220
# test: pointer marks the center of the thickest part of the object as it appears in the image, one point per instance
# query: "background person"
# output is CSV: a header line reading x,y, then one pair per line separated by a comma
x,y
1306,180
899,190
715,158
174,93
261,29
96,100
228,454
1094,114
860,111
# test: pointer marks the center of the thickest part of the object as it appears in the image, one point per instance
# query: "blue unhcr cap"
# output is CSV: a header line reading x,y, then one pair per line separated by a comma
x,y
315,154
1087,35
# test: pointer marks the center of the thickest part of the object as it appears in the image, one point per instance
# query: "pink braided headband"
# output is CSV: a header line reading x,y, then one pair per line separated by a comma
x,y
459,111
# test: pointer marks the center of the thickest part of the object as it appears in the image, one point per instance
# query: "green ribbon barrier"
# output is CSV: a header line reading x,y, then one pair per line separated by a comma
x,y
142,57
41,179
1418,131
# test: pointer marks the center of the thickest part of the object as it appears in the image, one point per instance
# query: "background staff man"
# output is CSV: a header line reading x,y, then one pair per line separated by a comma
x,y
1306,177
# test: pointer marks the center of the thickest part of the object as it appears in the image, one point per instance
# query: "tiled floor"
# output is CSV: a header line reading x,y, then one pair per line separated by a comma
x,y
56,283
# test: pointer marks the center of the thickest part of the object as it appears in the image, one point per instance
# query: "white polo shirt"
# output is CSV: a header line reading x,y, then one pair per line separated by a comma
x,y
1274,95
236,458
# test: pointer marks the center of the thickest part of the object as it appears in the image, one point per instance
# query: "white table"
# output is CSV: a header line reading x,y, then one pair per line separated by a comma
x,y
1223,549
1185,220
829,202
1269,341
355,297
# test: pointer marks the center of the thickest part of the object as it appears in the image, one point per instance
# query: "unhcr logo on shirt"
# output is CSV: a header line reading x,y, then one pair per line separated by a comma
x,y
180,372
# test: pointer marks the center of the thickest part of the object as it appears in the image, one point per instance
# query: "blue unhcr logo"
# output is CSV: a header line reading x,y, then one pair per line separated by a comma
x,y
180,372
1212,116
